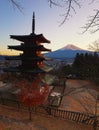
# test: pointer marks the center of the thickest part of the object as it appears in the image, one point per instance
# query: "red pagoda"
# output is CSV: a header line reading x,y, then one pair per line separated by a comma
x,y
31,58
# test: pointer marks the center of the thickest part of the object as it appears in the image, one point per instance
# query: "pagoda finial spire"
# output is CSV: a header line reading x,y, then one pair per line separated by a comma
x,y
33,23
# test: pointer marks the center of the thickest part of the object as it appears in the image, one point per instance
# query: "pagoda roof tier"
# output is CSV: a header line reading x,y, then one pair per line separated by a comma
x,y
16,69
30,38
37,58
33,47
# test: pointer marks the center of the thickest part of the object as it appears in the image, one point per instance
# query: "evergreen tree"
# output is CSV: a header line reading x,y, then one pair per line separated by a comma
x,y
87,66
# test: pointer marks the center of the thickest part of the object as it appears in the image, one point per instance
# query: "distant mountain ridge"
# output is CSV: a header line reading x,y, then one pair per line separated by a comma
x,y
68,51
2,57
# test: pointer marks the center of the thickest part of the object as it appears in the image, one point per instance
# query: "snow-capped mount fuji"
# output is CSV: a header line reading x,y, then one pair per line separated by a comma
x,y
67,52
71,47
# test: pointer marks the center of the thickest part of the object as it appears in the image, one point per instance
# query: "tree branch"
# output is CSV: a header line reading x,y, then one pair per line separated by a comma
x,y
16,4
94,46
93,23
68,5
53,2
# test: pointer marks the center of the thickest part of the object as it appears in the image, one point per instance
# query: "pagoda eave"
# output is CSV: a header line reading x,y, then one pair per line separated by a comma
x,y
37,58
33,71
21,48
30,38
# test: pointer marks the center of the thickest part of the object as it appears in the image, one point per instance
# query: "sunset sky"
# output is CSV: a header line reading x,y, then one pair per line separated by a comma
x,y
13,22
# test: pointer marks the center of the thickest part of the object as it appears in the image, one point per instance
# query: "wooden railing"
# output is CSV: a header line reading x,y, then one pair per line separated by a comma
x,y
55,112
73,116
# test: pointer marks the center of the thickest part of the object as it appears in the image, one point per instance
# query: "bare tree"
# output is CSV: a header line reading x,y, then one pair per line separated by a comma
x,y
70,7
94,46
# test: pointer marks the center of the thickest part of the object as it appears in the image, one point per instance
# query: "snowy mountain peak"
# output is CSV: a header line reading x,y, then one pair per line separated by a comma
x,y
69,51
71,47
